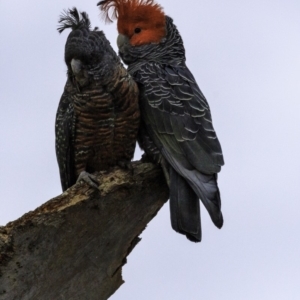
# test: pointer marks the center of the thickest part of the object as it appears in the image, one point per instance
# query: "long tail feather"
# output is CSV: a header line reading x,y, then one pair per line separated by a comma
x,y
184,208
204,185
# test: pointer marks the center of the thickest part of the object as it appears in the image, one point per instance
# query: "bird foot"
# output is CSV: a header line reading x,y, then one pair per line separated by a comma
x,y
155,159
146,158
126,164
89,179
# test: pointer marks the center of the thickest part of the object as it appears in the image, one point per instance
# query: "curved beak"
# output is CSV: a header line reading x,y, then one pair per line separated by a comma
x,y
122,40
76,66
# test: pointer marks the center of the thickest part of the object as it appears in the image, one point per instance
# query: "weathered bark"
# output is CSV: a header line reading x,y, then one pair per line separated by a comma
x,y
73,246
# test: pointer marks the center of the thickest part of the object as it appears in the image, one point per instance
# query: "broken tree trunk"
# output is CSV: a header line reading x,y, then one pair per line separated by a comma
x,y
74,246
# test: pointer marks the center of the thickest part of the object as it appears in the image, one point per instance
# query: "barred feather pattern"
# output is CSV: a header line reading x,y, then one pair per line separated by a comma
x,y
106,125
169,51
98,116
171,100
177,118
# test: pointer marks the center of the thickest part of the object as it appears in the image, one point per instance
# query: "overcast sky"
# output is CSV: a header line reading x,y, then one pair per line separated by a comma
x,y
245,56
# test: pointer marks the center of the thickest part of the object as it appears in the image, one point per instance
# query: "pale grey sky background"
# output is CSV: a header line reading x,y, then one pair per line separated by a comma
x,y
245,56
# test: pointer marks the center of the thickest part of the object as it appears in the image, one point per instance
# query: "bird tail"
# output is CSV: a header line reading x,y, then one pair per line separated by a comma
x,y
184,208
206,187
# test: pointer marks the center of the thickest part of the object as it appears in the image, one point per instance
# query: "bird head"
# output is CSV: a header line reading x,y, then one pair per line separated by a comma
x,y
145,32
139,22
87,52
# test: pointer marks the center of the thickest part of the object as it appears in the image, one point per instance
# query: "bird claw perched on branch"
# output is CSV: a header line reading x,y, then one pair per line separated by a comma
x,y
125,164
41,253
90,179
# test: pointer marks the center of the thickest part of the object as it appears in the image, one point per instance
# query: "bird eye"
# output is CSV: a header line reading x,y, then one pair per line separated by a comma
x,y
137,30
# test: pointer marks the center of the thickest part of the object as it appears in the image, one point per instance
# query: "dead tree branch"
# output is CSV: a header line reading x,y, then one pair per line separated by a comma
x,y
74,246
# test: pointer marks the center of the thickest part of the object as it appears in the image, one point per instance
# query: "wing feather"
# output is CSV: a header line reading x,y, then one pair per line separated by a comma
x,y
64,137
177,111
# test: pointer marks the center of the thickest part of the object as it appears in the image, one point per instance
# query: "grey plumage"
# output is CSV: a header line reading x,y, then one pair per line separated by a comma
x,y
175,114
98,115
177,118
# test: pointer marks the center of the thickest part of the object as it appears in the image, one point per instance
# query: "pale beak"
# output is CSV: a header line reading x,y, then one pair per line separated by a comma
x,y
122,40
76,66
